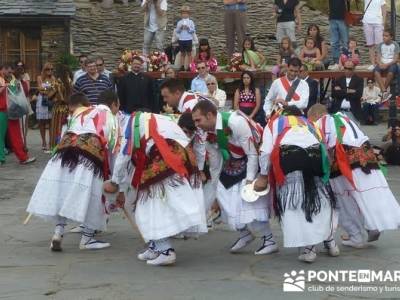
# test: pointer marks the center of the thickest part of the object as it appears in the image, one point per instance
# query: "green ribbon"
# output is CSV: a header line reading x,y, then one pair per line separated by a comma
x,y
326,166
222,138
338,124
136,130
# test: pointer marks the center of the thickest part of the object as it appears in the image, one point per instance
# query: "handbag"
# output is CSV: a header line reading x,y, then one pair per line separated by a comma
x,y
354,18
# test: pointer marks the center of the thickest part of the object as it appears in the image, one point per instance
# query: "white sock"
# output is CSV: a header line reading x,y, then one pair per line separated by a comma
x,y
162,245
61,222
87,235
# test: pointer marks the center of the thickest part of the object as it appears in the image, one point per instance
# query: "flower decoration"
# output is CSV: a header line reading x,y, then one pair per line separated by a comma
x,y
157,60
126,59
235,62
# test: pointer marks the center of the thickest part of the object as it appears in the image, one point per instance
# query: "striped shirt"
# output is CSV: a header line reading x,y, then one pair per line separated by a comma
x,y
92,88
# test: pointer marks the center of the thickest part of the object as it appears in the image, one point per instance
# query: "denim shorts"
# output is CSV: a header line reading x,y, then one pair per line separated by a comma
x,y
185,46
392,69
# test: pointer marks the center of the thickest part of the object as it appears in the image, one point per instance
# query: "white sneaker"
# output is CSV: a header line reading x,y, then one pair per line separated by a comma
x,y
242,242
93,244
269,246
371,68
149,254
309,255
334,67
77,229
28,161
354,244
332,248
373,235
55,244
165,258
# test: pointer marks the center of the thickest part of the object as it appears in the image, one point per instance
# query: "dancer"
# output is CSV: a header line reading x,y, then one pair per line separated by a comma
x,y
364,197
166,192
233,138
304,202
70,187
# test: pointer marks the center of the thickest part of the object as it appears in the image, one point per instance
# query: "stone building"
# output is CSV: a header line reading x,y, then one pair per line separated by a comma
x,y
37,31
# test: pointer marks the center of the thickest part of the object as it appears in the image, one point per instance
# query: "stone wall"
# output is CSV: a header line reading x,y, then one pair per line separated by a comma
x,y
54,41
107,32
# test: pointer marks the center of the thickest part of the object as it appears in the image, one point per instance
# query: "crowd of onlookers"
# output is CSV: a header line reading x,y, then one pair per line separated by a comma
x,y
47,101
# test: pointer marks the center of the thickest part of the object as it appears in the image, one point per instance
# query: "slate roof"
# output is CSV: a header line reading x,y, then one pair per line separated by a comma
x,y
37,7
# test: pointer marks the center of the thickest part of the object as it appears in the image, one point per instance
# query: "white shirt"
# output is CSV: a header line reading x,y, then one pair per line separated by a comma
x,y
106,73
373,14
297,136
371,96
187,105
220,96
277,91
388,52
78,74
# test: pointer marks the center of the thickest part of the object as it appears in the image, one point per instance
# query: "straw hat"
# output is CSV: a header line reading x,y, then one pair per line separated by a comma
x,y
185,8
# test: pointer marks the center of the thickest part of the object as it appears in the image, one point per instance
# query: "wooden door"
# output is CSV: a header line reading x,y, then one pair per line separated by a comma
x,y
21,44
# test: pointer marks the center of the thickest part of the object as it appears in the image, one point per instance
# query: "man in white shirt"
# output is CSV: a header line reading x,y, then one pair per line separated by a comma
x,y
82,70
373,23
288,90
155,24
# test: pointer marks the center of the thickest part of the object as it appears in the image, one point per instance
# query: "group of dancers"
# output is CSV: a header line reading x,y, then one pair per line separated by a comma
x,y
319,170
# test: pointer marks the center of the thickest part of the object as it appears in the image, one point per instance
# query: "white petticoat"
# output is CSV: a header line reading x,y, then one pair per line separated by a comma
x,y
74,195
373,196
179,209
297,231
236,212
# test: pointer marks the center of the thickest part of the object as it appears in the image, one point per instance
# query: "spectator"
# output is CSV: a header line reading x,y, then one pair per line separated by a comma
x,y
312,85
348,87
47,90
338,29
370,102
185,30
286,52
135,89
313,31
247,97
288,15
82,70
351,53
388,54
92,83
373,23
25,78
14,133
235,19
60,109
199,82
155,24
3,114
310,55
287,90
101,68
214,92
391,147
169,72
252,59
205,54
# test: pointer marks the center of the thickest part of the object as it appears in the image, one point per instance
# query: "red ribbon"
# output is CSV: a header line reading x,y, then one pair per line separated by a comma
x,y
286,85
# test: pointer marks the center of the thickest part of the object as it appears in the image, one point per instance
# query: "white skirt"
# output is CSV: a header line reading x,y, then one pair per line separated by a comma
x,y
373,196
180,208
74,195
236,212
297,231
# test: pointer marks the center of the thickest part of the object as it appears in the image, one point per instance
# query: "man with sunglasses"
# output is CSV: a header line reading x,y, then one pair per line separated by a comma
x,y
199,84
348,87
101,69
82,70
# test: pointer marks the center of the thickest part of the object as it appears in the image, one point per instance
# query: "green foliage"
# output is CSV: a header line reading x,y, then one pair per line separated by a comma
x,y
68,59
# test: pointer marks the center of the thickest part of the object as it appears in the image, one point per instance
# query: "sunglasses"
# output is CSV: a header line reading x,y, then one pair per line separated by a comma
x,y
50,69
201,68
350,69
99,65
82,61
211,83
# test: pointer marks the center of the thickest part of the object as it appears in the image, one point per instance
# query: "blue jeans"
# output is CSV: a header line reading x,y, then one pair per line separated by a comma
x,y
339,33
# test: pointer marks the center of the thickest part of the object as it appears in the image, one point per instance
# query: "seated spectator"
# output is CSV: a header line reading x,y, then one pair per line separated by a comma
x,y
370,102
351,53
214,92
313,31
199,82
286,52
388,53
247,96
348,87
169,72
252,59
310,55
391,147
205,54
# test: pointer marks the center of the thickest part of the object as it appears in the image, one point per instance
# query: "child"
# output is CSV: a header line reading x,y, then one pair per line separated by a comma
x,y
310,55
205,54
252,59
388,53
286,52
185,30
350,53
